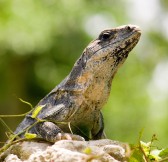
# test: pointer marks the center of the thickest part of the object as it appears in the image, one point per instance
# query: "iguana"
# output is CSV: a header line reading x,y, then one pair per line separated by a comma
x,y
72,110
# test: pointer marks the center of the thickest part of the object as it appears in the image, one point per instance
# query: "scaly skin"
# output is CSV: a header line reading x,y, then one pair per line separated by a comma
x,y
74,106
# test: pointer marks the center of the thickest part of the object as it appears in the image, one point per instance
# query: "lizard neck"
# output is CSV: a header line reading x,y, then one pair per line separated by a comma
x,y
93,86
97,85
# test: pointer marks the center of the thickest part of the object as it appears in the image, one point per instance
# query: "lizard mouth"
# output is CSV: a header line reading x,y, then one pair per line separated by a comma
x,y
122,54
128,46
128,42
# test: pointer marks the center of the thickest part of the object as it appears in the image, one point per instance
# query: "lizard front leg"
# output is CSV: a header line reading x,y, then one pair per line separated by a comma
x,y
52,133
98,129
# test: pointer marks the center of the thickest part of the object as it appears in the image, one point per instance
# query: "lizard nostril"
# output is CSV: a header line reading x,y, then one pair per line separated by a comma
x,y
128,28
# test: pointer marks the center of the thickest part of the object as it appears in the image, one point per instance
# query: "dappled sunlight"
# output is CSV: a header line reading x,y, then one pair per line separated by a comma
x,y
41,40
145,13
158,86
158,93
91,24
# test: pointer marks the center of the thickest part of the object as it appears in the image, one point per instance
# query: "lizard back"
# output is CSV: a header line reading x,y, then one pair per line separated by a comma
x,y
79,98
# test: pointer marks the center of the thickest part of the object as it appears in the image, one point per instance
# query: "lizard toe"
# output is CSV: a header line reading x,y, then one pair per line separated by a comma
x,y
68,136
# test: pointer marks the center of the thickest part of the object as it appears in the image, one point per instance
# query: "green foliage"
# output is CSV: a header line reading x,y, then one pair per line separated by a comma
x,y
30,135
143,151
164,153
148,152
87,150
37,110
40,41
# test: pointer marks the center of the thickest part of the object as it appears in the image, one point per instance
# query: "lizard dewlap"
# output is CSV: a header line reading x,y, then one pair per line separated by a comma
x,y
72,110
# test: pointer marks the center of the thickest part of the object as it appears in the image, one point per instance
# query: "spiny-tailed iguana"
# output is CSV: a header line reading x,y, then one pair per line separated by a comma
x,y
72,110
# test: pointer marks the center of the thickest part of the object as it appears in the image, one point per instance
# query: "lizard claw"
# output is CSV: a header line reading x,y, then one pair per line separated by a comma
x,y
68,136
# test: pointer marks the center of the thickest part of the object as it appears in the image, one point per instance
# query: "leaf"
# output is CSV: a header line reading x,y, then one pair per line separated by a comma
x,y
30,135
145,147
133,159
36,111
151,154
164,153
136,155
154,155
87,150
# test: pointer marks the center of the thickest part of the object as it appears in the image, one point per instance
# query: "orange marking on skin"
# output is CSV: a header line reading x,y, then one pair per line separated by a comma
x,y
83,79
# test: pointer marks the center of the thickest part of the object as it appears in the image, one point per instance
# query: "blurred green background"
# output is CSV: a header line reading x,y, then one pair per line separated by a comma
x,y
41,40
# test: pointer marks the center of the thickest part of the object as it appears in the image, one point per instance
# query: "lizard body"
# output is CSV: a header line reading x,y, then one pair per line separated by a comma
x,y
74,105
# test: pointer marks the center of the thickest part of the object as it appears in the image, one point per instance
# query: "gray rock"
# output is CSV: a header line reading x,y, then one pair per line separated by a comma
x,y
68,151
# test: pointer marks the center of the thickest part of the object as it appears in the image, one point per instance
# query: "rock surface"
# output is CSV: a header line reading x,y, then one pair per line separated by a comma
x,y
68,151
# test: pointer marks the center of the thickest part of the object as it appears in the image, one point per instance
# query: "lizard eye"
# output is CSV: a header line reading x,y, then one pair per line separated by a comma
x,y
104,36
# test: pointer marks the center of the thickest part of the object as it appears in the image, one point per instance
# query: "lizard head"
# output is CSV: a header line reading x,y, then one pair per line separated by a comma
x,y
111,48
103,56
